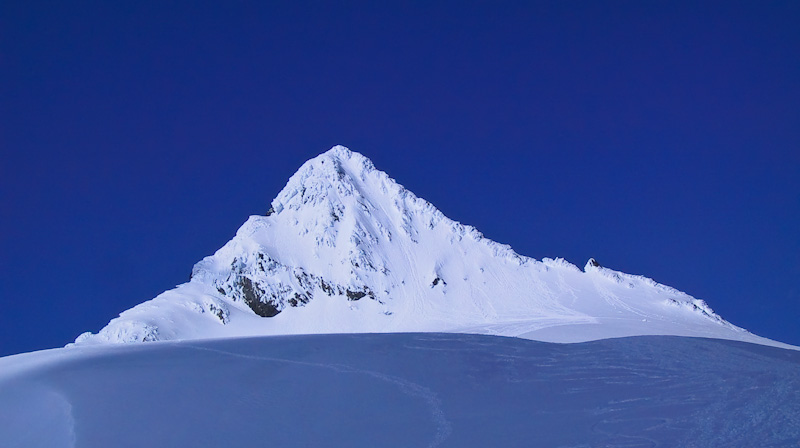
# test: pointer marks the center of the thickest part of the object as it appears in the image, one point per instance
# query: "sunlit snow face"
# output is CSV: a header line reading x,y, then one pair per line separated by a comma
x,y
347,249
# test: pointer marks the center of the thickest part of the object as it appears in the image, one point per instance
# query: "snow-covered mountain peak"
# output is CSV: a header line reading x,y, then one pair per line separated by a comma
x,y
345,248
329,176
342,228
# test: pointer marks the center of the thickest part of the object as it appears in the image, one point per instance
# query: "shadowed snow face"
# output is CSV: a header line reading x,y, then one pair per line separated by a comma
x,y
401,390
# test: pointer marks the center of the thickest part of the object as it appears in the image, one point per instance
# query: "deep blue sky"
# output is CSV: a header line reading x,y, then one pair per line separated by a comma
x,y
662,138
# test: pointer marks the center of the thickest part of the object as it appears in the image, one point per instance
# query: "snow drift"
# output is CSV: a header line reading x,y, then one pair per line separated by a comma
x,y
403,390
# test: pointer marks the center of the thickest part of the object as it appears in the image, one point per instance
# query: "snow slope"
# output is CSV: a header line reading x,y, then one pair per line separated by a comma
x,y
403,390
346,249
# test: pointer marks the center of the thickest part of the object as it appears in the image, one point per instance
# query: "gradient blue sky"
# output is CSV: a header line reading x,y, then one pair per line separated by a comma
x,y
662,138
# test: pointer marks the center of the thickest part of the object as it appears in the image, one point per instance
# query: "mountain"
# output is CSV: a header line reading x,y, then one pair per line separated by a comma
x,y
403,390
346,249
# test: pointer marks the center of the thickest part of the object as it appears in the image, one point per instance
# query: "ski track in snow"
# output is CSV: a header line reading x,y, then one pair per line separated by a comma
x,y
443,426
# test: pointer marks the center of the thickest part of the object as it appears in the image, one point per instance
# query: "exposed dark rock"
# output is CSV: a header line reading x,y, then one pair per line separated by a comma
x,y
305,280
221,313
298,299
437,280
256,299
326,288
359,294
355,295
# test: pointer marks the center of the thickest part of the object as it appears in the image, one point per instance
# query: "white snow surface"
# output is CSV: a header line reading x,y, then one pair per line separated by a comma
x,y
346,249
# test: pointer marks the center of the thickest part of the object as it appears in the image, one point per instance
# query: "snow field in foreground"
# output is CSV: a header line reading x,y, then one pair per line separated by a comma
x,y
402,390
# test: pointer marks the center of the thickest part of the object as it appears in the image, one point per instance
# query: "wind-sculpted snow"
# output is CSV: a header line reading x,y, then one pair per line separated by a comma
x,y
344,248
403,390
